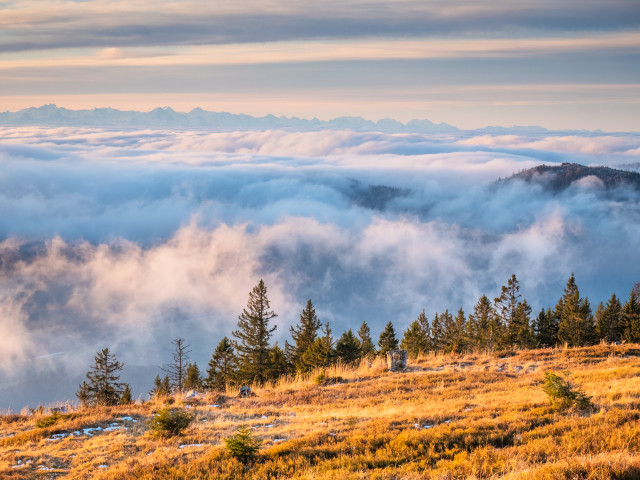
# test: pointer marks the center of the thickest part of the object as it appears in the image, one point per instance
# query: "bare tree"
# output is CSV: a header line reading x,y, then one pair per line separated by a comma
x,y
177,370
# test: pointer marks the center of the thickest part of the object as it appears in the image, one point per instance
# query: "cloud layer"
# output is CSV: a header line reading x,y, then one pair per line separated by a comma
x,y
130,238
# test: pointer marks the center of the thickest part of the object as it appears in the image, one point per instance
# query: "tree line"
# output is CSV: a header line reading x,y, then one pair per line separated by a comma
x,y
248,356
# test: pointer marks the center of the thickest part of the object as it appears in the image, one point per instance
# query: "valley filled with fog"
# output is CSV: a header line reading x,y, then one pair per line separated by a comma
x,y
128,238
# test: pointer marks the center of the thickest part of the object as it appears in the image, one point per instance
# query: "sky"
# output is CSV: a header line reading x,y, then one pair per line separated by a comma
x,y
128,237
571,64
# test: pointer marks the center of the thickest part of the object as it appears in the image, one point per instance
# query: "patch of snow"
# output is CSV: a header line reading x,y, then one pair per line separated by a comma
x,y
276,440
192,445
111,428
447,421
428,426
264,416
213,406
128,419
87,431
103,466
416,425
46,469
468,409
269,426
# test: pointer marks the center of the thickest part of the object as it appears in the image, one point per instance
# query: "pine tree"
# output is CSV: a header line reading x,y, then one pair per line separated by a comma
x,y
610,321
193,380
387,340
426,330
414,340
102,387
576,325
347,348
222,366
253,336
321,352
521,326
303,335
631,312
161,387
177,370
546,329
367,349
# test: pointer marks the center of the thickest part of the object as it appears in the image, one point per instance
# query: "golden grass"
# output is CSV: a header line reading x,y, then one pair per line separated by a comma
x,y
487,418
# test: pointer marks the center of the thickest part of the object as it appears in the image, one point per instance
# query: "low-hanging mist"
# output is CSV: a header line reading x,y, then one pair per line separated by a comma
x,y
130,238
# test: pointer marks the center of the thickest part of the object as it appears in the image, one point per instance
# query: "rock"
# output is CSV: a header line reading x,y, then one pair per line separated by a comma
x,y
397,360
245,391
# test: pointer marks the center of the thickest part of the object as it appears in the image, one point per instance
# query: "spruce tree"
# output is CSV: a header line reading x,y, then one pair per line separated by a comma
x,y
367,348
347,348
278,363
576,325
426,330
631,312
449,333
514,318
460,340
102,387
321,353
177,370
222,366
387,340
126,398
193,381
610,321
484,320
253,336
303,335
414,339
438,339
546,329
161,387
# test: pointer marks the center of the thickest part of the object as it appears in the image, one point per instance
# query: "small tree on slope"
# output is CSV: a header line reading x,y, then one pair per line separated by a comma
x,y
102,386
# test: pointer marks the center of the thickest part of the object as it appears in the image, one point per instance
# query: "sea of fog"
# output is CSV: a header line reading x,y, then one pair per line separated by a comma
x,y
129,238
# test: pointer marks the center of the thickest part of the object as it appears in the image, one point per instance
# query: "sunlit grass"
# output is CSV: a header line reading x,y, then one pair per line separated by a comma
x,y
449,416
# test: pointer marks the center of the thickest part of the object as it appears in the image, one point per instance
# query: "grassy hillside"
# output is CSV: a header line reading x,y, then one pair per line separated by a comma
x,y
471,416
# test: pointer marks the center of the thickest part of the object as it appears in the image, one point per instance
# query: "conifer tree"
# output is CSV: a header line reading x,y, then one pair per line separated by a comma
x,y
177,370
321,353
253,336
460,340
222,366
414,340
576,325
610,321
387,340
161,387
303,335
438,340
102,387
278,363
483,319
517,330
449,333
426,330
631,312
367,348
546,329
193,380
347,348
126,398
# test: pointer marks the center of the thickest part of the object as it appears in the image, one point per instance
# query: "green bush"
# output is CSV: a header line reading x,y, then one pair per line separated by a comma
x,y
50,420
562,394
243,445
320,378
167,422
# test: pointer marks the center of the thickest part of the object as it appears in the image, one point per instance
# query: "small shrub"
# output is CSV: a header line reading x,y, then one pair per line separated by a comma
x,y
50,420
169,422
320,378
562,394
243,445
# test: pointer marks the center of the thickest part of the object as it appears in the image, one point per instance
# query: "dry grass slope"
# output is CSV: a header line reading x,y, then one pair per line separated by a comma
x,y
471,416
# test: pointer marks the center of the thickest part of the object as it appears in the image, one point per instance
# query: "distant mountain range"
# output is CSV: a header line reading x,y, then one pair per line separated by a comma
x,y
52,115
560,177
